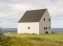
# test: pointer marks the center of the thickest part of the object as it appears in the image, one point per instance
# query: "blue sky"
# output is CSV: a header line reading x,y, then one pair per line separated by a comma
x,y
12,10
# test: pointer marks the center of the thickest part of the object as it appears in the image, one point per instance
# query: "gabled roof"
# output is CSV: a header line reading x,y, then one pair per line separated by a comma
x,y
32,16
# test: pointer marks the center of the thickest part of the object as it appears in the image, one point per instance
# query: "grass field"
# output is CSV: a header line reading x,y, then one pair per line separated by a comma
x,y
54,39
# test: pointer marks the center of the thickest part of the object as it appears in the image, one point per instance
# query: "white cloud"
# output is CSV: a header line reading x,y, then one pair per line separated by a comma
x,y
55,7
14,9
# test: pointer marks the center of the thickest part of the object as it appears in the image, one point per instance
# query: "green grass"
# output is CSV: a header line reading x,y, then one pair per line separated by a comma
x,y
54,39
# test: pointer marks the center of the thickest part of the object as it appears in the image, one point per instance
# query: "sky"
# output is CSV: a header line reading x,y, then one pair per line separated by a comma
x,y
12,10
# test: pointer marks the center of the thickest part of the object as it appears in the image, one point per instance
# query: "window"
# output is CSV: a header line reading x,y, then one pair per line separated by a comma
x,y
49,19
45,28
49,27
28,27
46,32
44,19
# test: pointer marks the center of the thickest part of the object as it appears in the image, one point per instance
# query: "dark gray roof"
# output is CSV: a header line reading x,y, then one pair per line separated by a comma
x,y
32,15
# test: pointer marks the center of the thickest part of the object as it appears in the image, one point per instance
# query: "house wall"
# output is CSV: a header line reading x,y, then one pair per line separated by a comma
x,y
23,27
45,23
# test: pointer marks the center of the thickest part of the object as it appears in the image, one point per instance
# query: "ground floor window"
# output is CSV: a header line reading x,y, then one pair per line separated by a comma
x,y
45,28
28,27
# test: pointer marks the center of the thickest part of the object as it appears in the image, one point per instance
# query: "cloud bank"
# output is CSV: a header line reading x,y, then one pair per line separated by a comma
x,y
14,9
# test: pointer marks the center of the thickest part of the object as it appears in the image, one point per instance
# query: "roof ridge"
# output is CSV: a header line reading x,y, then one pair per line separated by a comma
x,y
37,9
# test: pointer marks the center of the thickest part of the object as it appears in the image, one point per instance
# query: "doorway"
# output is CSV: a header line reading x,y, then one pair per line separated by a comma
x,y
46,32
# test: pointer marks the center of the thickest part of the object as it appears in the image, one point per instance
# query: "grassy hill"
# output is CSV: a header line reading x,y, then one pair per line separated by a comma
x,y
54,39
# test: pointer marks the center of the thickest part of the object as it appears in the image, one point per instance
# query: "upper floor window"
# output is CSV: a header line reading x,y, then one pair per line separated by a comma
x,y
49,19
44,19
44,28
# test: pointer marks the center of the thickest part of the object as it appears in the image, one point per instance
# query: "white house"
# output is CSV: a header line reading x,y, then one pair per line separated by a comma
x,y
35,21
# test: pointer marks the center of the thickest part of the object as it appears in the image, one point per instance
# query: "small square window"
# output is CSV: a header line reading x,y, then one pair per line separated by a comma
x,y
28,27
49,19
45,28
44,19
49,27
